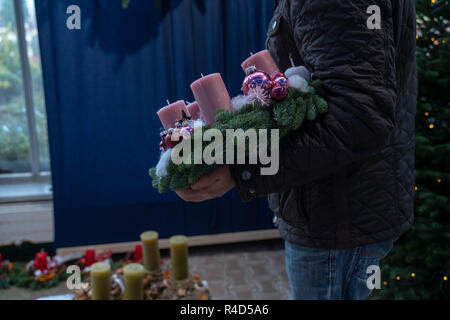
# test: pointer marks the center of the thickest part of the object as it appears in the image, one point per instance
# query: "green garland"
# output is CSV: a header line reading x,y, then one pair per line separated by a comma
x,y
286,116
19,278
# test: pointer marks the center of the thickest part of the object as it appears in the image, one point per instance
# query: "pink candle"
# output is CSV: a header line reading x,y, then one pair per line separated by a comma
x,y
194,110
171,114
263,61
211,94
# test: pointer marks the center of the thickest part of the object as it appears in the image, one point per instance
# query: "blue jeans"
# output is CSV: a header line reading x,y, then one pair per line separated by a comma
x,y
318,274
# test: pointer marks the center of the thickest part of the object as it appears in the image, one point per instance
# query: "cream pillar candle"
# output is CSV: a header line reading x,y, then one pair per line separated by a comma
x,y
134,282
150,250
101,281
211,94
263,61
179,257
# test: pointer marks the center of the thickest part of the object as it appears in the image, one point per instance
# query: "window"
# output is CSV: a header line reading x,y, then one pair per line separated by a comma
x,y
24,155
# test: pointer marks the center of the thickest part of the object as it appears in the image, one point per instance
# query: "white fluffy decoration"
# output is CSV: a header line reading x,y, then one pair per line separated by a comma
x,y
239,101
255,96
301,71
296,81
161,167
259,96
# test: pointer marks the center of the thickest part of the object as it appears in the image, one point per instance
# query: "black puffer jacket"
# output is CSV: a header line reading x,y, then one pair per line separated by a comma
x,y
346,179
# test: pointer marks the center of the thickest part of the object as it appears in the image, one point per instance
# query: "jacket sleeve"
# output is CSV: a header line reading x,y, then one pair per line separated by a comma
x,y
357,70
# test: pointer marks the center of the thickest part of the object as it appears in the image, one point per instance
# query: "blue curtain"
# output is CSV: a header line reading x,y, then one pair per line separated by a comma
x,y
104,84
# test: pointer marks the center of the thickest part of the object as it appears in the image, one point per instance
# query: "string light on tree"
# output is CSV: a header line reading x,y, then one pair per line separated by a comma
x,y
409,277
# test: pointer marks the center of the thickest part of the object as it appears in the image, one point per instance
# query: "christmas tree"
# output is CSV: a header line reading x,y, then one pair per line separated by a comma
x,y
419,265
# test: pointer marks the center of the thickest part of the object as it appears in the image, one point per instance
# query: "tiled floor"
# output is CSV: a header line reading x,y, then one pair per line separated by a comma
x,y
245,271
238,272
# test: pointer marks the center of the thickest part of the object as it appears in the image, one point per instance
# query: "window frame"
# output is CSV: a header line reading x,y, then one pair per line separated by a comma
x,y
36,175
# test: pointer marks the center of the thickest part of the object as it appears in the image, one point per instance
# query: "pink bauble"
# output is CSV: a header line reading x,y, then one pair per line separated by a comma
x,y
186,132
280,86
256,79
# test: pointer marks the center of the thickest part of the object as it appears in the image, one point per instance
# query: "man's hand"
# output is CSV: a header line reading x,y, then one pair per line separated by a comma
x,y
214,185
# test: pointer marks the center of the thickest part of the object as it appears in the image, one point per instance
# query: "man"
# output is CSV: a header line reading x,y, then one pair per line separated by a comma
x,y
345,187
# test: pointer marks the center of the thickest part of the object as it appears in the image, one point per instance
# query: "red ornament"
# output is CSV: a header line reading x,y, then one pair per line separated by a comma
x,y
174,136
40,261
280,86
170,141
167,143
89,258
138,253
256,79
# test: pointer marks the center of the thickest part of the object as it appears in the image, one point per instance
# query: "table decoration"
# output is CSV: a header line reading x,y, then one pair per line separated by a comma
x,y
157,285
40,273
